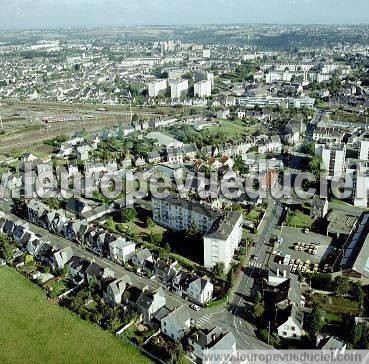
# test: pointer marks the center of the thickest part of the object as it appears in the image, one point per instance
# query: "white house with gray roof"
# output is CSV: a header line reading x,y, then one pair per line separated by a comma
x,y
290,323
122,250
115,289
176,323
200,291
210,341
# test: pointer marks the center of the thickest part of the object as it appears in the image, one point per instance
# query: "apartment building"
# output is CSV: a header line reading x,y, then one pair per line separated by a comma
x,y
180,214
364,150
222,233
178,88
223,238
202,88
334,157
156,87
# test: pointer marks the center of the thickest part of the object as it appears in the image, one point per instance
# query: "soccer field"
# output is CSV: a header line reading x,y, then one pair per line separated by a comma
x,y
33,330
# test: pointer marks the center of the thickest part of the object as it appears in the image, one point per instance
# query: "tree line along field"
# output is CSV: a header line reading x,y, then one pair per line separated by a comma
x,y
34,330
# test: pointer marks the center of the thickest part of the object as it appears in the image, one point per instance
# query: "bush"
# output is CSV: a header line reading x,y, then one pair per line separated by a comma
x,y
128,214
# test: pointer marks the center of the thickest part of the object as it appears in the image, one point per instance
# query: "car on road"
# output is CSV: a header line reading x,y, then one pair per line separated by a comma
x,y
306,230
195,307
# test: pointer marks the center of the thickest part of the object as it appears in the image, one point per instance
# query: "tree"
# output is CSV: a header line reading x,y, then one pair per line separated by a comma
x,y
358,293
167,248
150,223
6,249
259,307
155,238
309,148
315,166
341,285
176,353
128,214
218,270
230,277
321,281
114,324
316,321
356,333
135,117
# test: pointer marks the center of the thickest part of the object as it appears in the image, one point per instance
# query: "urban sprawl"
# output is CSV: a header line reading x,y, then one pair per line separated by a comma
x,y
192,194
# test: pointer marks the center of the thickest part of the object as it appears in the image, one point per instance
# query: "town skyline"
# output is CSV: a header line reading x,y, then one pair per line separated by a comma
x,y
67,14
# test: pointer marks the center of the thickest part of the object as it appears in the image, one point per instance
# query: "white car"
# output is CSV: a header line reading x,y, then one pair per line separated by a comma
x,y
195,307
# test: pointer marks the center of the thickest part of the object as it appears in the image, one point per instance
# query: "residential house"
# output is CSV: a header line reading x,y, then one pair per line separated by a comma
x,y
142,256
165,272
77,267
290,323
122,250
77,207
115,289
205,343
97,272
61,257
149,303
200,291
176,323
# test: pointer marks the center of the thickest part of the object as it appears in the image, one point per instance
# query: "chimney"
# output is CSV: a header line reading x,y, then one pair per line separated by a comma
x,y
277,272
284,274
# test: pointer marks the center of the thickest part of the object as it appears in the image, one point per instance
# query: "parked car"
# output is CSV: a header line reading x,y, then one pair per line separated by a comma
x,y
195,307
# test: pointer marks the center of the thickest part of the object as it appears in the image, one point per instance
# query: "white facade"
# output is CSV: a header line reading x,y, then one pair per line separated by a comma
x,y
321,77
224,343
290,330
156,87
360,177
180,214
364,150
206,53
200,291
220,244
176,324
202,88
280,101
334,159
122,250
177,88
222,233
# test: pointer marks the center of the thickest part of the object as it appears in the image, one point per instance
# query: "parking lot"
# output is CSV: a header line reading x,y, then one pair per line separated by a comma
x,y
306,252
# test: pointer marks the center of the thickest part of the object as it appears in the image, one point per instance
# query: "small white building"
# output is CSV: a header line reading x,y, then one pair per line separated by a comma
x,y
122,250
176,323
207,343
200,291
290,323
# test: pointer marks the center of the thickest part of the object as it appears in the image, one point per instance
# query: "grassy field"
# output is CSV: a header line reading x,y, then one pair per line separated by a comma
x,y
336,307
254,215
298,219
33,330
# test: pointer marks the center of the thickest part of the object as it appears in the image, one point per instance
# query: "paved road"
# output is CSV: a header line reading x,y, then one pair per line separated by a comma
x,y
245,283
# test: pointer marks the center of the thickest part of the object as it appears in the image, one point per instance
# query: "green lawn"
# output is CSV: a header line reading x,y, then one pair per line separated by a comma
x,y
335,306
298,219
34,330
254,215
